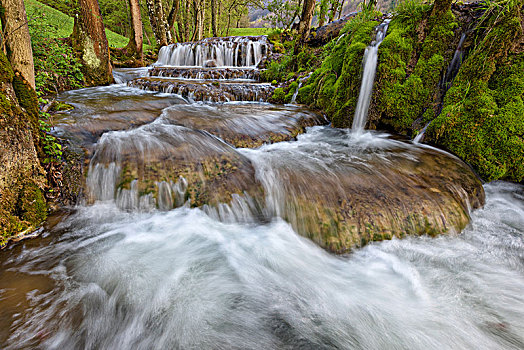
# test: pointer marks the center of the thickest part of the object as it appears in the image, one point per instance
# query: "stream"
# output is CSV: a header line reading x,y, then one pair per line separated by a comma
x,y
144,263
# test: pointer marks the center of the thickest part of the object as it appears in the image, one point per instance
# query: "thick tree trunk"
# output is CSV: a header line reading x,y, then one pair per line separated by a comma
x,y
134,47
89,40
17,42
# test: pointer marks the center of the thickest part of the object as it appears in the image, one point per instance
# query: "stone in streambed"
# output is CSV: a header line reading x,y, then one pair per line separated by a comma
x,y
157,154
245,125
344,194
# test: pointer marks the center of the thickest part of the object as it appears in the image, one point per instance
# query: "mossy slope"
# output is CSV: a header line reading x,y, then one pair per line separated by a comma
x,y
482,120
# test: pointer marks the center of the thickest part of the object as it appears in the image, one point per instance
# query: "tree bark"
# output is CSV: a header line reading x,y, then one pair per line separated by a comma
x,y
16,40
134,47
173,16
89,40
305,20
158,22
187,21
214,12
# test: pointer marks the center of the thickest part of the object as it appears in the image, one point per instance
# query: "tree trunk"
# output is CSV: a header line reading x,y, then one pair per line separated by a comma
x,y
158,22
201,30
187,21
323,12
173,16
17,42
214,12
89,40
305,20
134,47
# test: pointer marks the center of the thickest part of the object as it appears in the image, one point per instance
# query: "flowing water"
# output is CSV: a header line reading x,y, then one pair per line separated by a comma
x,y
216,52
368,77
137,266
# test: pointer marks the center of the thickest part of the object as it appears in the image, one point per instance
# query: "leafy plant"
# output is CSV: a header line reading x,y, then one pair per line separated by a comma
x,y
52,149
56,67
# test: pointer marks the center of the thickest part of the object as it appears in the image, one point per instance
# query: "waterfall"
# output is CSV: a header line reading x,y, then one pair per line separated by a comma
x,y
455,64
225,52
420,136
366,88
294,98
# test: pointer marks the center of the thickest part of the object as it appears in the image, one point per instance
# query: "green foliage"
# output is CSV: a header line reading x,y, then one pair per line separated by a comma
x,y
282,13
62,23
51,147
278,69
410,12
56,67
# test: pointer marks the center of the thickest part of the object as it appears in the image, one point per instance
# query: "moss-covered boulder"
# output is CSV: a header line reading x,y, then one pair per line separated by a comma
x,y
343,193
482,120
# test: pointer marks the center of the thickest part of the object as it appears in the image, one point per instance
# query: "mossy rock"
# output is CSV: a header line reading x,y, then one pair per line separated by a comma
x,y
345,203
482,120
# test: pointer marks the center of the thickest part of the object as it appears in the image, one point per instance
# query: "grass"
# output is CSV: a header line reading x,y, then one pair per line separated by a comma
x,y
64,24
249,31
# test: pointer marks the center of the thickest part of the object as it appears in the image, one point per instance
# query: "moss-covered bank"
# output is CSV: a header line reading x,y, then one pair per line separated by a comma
x,y
480,118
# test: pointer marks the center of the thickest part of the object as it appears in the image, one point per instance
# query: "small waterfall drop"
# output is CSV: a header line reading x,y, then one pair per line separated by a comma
x,y
294,98
368,77
455,64
420,135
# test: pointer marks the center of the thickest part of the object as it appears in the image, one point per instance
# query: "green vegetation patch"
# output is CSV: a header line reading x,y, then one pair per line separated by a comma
x,y
63,23
482,120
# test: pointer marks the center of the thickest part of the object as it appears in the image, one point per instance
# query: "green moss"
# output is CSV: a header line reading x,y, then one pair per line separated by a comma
x,y
403,95
291,91
6,73
482,120
279,95
27,98
31,206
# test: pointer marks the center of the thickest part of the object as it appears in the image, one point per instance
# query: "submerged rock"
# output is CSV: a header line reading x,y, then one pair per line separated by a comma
x,y
343,193
245,125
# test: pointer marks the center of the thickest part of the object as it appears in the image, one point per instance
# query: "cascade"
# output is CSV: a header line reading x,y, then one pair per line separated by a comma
x,y
203,224
420,135
234,51
295,94
368,77
210,70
